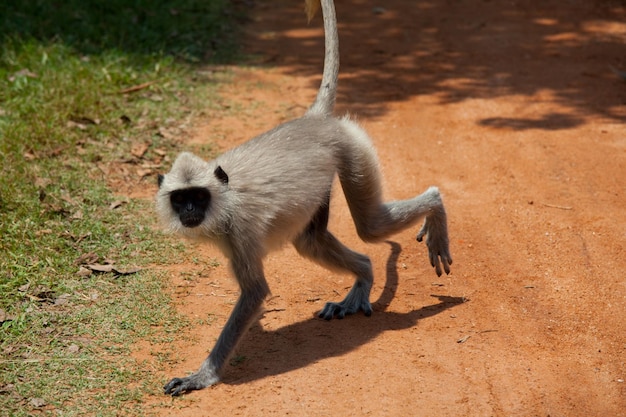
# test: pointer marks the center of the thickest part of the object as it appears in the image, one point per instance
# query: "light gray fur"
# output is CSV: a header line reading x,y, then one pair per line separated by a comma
x,y
325,100
278,191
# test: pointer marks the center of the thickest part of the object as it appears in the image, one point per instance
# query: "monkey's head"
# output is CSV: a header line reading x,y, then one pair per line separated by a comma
x,y
188,200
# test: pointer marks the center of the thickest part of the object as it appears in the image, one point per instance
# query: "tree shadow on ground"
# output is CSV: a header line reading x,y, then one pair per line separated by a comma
x,y
455,50
310,341
463,50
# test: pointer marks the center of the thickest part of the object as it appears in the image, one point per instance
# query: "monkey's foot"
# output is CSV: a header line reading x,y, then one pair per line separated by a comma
x,y
357,299
179,386
436,231
340,310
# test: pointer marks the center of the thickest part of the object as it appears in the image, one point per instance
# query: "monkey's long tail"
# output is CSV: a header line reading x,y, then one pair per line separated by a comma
x,y
325,100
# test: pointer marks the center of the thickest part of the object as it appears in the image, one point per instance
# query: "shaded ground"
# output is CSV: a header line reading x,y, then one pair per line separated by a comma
x,y
513,110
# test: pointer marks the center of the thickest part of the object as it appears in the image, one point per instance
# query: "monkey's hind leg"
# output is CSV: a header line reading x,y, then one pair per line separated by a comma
x,y
318,244
376,220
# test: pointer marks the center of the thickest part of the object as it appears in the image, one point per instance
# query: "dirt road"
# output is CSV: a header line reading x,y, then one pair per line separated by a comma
x,y
514,111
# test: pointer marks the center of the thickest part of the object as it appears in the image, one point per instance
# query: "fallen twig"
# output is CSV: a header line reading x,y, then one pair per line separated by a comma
x,y
137,87
557,207
273,310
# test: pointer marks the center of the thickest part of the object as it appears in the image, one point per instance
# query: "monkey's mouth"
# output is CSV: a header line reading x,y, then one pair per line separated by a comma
x,y
191,222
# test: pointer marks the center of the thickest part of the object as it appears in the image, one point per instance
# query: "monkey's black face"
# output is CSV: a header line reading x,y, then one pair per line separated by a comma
x,y
191,205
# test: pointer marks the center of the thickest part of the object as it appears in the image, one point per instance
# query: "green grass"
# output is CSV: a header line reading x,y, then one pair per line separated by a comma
x,y
67,134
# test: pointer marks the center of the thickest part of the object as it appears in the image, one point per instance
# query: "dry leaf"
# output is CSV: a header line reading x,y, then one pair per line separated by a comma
x,y
83,272
57,151
22,73
116,204
113,268
37,402
148,165
127,271
165,133
82,237
62,299
137,87
75,238
83,120
139,149
42,182
70,124
56,208
104,168
87,258
143,172
4,316
68,199
100,267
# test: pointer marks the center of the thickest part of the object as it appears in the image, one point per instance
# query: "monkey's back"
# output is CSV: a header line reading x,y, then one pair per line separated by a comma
x,y
280,178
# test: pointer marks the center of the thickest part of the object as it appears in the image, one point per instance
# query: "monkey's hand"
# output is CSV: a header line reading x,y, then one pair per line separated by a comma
x,y
435,229
199,380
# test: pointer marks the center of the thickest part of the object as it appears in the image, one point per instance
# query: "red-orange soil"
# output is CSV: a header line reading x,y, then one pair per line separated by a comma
x,y
514,110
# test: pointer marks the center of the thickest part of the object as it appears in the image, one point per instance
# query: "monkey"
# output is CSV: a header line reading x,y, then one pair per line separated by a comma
x,y
275,189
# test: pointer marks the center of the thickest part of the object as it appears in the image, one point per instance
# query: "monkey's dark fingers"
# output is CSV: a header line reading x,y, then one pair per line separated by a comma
x,y
175,387
179,386
341,310
421,233
331,310
447,261
436,263
437,259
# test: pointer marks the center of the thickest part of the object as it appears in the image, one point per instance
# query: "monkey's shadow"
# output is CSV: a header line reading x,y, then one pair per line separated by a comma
x,y
304,343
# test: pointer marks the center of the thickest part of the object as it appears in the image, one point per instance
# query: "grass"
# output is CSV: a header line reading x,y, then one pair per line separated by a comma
x,y
92,95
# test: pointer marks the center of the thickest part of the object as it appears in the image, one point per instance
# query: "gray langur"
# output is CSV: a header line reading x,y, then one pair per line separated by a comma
x,y
275,189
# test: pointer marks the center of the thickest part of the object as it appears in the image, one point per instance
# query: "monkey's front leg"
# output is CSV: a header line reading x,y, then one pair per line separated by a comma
x,y
254,289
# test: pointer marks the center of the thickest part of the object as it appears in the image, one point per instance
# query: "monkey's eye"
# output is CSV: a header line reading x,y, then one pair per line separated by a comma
x,y
177,198
195,197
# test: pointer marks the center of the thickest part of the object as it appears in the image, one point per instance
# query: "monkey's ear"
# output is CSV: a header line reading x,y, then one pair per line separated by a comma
x,y
221,175
160,179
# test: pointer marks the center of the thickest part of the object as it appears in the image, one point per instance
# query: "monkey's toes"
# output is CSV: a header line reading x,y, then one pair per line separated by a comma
x,y
331,310
341,310
446,260
175,387
179,386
